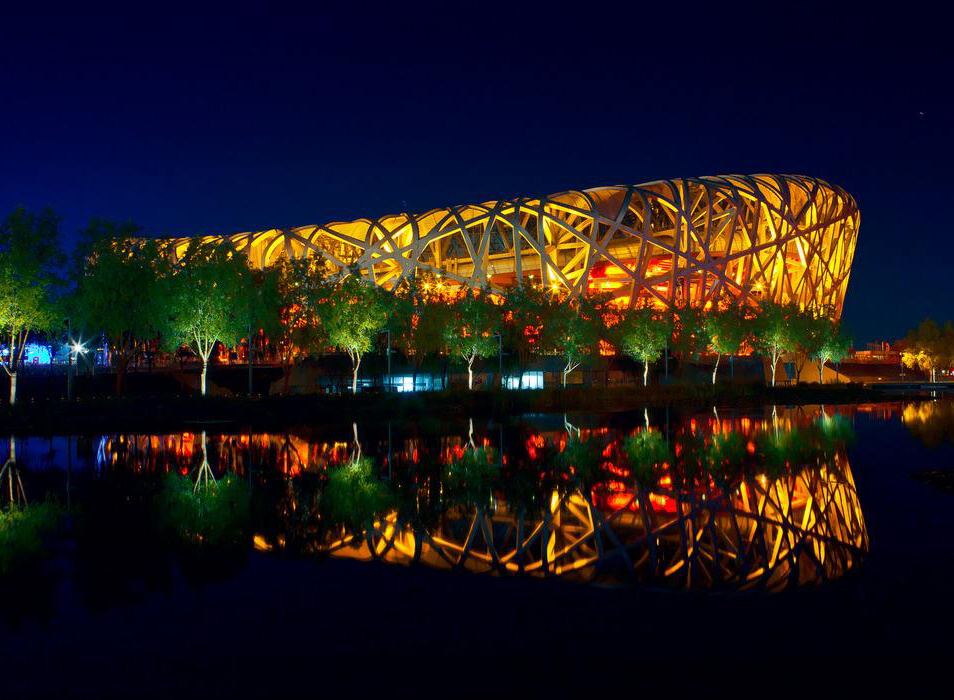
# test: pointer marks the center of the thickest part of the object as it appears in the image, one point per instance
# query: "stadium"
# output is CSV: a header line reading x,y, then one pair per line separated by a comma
x,y
666,244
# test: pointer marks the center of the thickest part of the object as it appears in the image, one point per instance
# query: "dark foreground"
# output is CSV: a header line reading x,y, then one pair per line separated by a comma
x,y
339,627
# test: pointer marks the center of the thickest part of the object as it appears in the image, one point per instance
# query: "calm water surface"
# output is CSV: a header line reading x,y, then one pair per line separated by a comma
x,y
708,499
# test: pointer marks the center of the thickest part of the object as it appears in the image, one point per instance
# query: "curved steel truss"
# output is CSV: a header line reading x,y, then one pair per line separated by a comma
x,y
666,243
804,528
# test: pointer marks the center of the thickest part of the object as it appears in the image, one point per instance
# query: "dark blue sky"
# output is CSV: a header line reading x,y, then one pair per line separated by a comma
x,y
221,123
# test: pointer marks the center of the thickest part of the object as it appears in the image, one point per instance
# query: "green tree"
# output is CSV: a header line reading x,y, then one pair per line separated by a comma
x,y
727,331
117,274
261,311
929,347
525,310
829,343
204,301
773,331
691,335
418,321
30,257
357,312
643,334
470,330
572,331
301,307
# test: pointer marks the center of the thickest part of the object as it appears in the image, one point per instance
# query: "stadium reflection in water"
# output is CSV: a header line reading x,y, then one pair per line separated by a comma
x,y
755,501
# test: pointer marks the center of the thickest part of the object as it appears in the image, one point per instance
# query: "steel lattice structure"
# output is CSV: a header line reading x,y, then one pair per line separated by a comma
x,y
666,243
804,528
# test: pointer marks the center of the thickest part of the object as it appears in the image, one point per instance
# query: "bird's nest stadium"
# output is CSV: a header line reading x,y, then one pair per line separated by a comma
x,y
667,243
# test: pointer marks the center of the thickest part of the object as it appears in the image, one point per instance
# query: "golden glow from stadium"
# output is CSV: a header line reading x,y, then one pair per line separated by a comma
x,y
666,243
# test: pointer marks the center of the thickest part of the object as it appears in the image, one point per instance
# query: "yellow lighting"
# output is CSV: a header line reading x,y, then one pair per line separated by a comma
x,y
778,223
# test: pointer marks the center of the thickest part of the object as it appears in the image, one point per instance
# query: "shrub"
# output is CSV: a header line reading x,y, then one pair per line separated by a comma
x,y
213,517
22,531
354,496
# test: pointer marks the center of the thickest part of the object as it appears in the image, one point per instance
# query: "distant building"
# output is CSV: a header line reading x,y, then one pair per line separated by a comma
x,y
876,352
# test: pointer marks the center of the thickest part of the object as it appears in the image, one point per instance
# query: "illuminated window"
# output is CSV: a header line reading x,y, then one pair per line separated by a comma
x,y
528,380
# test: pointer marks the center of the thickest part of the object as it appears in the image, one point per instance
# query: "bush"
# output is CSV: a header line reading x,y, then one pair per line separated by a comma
x,y
22,531
470,479
647,450
354,496
215,517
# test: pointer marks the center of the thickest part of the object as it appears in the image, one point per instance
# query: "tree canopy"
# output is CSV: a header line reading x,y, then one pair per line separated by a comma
x,y
572,331
297,295
643,335
469,333
774,333
205,300
359,311
727,330
929,347
116,275
30,284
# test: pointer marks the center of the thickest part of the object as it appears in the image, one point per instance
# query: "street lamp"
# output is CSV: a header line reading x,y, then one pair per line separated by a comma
x,y
77,348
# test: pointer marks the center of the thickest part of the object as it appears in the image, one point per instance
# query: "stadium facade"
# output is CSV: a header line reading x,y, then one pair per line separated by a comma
x,y
666,243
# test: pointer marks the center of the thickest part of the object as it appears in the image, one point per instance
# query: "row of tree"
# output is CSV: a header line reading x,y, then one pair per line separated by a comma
x,y
136,293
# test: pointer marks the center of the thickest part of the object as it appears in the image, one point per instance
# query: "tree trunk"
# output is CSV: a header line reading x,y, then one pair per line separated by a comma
x,y
355,364
774,364
121,366
248,357
716,368
470,374
205,369
645,372
821,369
286,372
13,388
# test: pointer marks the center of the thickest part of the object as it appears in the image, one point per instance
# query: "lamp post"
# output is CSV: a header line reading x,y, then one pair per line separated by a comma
x,y
390,379
75,349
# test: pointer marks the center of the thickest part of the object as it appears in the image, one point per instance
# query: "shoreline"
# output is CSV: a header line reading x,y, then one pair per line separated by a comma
x,y
157,413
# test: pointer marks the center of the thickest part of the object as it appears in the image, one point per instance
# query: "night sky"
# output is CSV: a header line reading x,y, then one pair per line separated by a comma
x,y
234,122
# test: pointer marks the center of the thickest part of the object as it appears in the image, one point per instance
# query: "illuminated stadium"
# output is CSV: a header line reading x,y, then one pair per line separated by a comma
x,y
666,243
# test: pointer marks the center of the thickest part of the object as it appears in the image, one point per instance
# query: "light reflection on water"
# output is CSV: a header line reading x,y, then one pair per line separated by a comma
x,y
729,501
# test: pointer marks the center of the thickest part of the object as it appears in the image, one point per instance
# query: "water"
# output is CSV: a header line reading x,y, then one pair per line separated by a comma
x,y
730,500
821,531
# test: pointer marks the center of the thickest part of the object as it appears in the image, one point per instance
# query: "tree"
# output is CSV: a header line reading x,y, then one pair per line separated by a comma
x,y
418,320
928,347
691,335
643,335
829,343
525,309
116,275
204,301
357,311
773,332
298,323
470,330
727,331
29,283
572,332
260,309
807,330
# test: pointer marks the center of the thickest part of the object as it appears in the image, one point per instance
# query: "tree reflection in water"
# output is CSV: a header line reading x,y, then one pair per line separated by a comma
x,y
737,502
931,422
